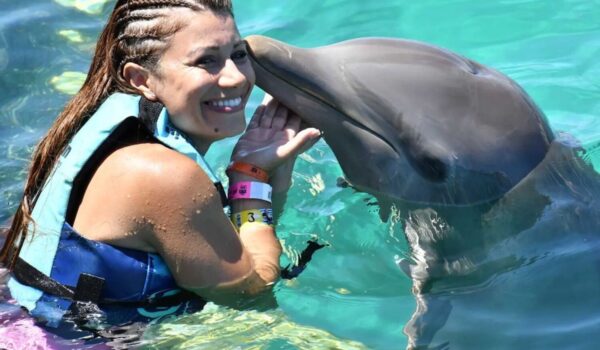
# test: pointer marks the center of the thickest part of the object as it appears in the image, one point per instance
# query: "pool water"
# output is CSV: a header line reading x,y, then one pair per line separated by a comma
x,y
352,295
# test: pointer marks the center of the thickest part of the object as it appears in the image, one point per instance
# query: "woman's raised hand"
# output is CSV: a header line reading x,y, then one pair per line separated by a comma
x,y
274,136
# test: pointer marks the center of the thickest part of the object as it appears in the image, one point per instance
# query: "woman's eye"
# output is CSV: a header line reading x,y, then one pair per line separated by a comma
x,y
205,60
239,55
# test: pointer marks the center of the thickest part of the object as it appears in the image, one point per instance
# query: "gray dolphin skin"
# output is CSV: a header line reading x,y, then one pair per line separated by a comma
x,y
501,215
430,126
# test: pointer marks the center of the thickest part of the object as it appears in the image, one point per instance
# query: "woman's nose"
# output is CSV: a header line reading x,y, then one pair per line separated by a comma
x,y
231,76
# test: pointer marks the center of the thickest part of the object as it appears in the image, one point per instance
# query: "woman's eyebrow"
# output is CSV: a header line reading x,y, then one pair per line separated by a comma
x,y
194,52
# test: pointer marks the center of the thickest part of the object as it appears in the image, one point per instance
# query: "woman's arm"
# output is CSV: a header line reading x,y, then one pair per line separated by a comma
x,y
151,198
249,263
200,244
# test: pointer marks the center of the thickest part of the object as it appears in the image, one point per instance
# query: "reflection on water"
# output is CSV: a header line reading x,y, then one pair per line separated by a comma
x,y
91,7
68,82
230,329
352,289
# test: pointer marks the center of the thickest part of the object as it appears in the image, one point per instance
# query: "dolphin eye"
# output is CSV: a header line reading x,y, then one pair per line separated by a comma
x,y
424,161
433,169
428,165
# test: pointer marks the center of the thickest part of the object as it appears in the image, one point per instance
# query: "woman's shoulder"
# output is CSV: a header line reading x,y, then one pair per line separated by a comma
x,y
138,182
155,171
154,162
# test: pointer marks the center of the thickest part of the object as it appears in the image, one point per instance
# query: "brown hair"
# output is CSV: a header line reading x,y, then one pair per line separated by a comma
x,y
137,31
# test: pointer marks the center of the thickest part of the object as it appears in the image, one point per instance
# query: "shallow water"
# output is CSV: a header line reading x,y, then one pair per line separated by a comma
x,y
352,295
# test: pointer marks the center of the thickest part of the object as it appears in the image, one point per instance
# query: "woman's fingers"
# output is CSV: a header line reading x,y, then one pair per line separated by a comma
x,y
278,136
281,117
310,143
300,143
314,135
292,125
267,119
256,117
255,121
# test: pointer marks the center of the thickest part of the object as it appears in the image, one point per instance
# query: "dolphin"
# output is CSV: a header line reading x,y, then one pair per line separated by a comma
x,y
429,125
498,210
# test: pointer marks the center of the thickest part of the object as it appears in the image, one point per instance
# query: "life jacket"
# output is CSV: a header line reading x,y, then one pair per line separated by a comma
x,y
57,268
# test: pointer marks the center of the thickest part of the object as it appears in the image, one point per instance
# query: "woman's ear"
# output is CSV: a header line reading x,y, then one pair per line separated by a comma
x,y
139,78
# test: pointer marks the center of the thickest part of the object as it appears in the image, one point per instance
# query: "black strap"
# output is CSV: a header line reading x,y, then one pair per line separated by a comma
x,y
30,276
221,190
88,289
290,272
149,113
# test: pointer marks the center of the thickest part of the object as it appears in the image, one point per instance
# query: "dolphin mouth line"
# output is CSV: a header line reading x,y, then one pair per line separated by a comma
x,y
350,119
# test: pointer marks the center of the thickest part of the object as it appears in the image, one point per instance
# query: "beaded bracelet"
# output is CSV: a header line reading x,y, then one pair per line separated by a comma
x,y
250,190
264,216
248,169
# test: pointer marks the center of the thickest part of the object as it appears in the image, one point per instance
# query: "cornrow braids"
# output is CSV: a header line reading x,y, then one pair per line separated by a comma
x,y
148,4
144,30
137,31
142,40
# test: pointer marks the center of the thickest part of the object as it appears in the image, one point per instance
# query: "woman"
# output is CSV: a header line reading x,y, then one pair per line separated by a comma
x,y
119,206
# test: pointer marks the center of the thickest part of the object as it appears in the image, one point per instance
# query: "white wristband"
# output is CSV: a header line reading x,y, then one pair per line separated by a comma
x,y
251,190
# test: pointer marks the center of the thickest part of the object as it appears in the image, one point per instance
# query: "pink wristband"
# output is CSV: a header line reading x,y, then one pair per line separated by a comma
x,y
250,190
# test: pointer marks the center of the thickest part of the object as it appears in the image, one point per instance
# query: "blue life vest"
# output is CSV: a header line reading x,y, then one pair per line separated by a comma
x,y
54,249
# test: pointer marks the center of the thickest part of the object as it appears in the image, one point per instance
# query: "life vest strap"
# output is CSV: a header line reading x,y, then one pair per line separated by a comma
x,y
30,276
88,289
149,113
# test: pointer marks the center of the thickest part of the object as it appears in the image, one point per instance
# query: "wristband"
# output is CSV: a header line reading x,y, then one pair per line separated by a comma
x,y
248,169
264,216
251,190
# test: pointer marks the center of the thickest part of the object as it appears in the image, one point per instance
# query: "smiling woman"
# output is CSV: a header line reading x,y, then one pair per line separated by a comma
x,y
120,213
206,62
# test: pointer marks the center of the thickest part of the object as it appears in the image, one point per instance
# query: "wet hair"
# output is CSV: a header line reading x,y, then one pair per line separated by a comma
x,y
137,31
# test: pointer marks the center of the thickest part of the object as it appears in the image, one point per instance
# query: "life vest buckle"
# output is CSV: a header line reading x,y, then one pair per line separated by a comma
x,y
89,288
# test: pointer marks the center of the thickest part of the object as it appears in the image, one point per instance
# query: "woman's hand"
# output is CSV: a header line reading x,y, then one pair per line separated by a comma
x,y
274,139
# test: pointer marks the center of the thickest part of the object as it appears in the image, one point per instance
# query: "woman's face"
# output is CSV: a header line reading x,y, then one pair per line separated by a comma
x,y
204,78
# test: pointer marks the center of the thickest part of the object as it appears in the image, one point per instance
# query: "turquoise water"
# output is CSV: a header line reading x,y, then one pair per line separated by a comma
x,y
352,295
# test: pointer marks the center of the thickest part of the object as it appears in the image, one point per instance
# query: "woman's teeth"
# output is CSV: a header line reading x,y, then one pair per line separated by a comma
x,y
234,102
